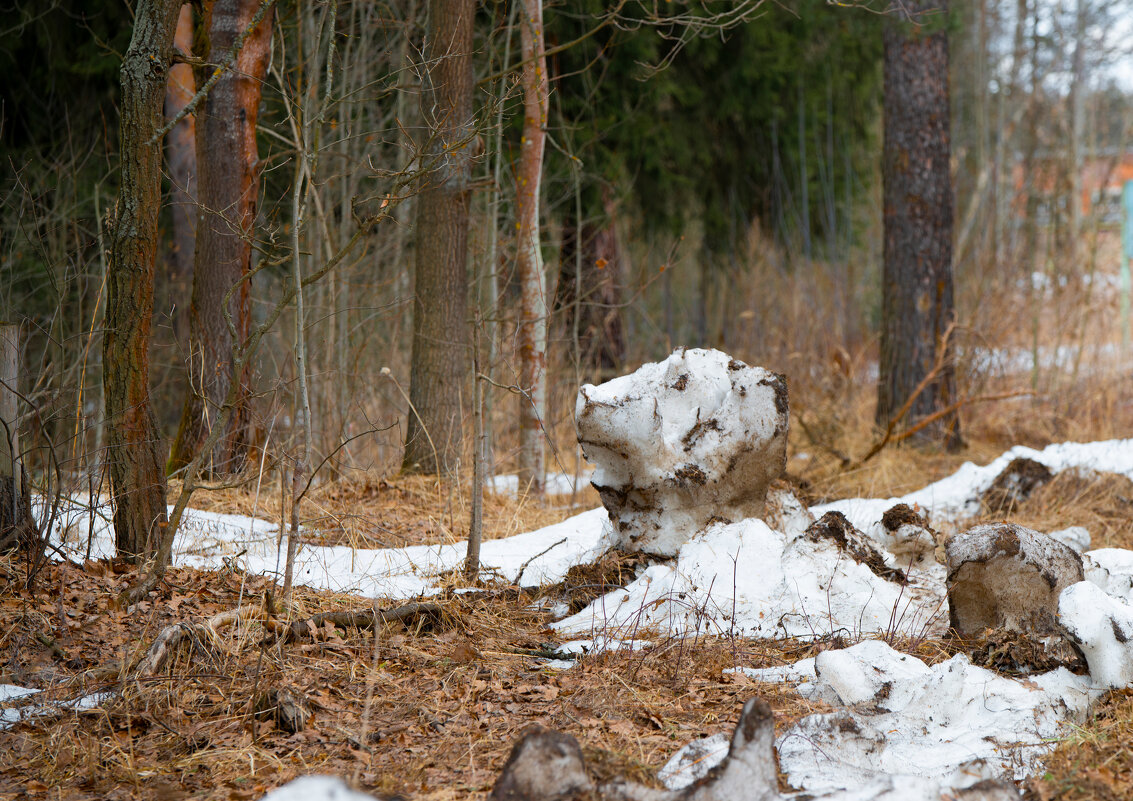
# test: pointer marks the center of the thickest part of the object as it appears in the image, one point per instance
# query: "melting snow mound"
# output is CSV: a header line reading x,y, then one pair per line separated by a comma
x,y
681,443
953,723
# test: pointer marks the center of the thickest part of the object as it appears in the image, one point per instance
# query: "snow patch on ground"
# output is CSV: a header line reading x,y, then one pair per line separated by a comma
x,y
553,483
749,580
316,788
11,715
958,495
207,540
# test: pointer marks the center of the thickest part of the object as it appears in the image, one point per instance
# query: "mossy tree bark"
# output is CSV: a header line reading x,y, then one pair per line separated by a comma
x,y
916,306
135,449
227,195
440,325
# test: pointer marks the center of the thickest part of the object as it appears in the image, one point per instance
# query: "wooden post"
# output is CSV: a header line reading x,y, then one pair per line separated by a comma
x,y
9,371
16,522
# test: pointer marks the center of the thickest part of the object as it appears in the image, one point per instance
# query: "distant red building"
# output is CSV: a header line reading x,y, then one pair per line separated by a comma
x,y
1103,176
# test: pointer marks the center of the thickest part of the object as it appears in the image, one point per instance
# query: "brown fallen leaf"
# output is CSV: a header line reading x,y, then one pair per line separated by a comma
x,y
464,653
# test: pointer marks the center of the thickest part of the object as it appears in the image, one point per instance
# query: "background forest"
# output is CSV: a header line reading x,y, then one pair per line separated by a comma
x,y
711,179
336,270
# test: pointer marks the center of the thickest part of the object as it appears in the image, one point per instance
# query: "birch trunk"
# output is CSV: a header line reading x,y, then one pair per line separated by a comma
x,y
532,283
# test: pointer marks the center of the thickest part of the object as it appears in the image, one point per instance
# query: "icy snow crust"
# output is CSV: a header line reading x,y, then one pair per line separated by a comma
x,y
939,726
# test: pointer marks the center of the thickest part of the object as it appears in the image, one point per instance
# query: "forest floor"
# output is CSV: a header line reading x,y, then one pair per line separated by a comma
x,y
427,708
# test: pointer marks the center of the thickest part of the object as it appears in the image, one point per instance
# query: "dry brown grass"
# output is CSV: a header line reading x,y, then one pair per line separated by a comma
x,y
429,709
1095,761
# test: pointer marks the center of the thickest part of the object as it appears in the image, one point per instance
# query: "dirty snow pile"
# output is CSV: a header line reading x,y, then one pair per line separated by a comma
x,y
953,723
685,452
678,444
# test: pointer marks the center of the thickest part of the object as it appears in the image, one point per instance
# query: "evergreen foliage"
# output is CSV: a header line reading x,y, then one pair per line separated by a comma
x,y
716,133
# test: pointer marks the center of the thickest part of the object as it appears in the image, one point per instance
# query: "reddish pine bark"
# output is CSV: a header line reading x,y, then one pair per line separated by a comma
x,y
134,447
227,194
917,306
181,163
440,332
529,258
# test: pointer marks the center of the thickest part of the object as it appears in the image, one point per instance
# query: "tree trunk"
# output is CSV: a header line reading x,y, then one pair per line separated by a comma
x,y
916,305
181,160
596,295
228,190
440,327
134,453
529,257
17,525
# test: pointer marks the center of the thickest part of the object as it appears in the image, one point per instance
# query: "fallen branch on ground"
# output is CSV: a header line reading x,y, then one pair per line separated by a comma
x,y
364,618
924,422
165,645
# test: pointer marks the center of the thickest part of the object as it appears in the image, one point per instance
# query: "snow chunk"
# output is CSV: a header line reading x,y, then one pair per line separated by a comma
x,y
694,761
678,444
953,723
316,788
1112,570
1076,538
906,535
1102,626
1004,576
870,671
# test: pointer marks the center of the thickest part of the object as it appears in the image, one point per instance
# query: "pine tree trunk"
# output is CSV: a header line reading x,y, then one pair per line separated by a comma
x,y
134,453
440,326
529,257
598,297
228,191
181,161
916,306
